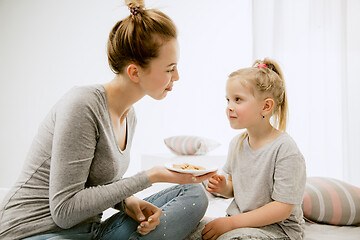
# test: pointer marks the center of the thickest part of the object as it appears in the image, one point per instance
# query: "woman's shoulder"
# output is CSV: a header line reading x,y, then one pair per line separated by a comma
x,y
80,97
85,93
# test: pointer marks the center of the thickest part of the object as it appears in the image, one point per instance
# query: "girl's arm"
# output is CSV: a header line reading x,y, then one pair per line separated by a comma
x,y
268,214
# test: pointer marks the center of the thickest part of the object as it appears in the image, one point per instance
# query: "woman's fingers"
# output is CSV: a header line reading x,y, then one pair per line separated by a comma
x,y
199,179
149,225
153,214
156,214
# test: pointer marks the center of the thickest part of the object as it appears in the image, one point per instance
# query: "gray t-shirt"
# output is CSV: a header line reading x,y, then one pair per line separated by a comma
x,y
73,171
274,172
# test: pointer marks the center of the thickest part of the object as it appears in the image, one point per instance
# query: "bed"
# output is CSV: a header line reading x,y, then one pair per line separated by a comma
x,y
217,206
313,231
317,188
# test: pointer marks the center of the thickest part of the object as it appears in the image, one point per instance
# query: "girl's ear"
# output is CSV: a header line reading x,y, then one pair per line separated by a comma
x,y
132,71
268,106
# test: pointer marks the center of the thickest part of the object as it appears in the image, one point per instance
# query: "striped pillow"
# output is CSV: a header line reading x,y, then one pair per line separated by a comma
x,y
190,145
331,201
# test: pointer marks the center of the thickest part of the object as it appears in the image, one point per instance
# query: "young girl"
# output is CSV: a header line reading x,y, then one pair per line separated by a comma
x,y
75,165
266,170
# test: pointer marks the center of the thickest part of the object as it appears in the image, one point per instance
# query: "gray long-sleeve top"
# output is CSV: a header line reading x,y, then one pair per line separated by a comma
x,y
73,171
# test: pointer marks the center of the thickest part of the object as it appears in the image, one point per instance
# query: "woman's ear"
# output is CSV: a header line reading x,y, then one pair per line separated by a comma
x,y
268,106
132,71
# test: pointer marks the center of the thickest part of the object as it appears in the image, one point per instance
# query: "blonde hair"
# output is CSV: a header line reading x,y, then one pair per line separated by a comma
x,y
267,81
138,37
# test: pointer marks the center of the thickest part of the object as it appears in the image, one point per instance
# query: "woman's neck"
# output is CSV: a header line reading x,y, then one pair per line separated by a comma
x,y
121,94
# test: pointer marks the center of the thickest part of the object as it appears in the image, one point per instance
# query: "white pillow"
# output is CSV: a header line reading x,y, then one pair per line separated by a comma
x,y
190,145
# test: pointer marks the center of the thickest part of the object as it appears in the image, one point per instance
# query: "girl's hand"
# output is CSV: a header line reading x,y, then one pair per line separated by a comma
x,y
162,174
217,184
144,213
216,228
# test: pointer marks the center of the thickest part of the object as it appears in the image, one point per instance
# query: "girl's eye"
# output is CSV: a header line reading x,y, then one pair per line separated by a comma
x,y
237,99
227,100
170,71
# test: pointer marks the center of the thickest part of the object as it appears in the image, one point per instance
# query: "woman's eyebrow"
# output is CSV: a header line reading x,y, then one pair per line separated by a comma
x,y
171,64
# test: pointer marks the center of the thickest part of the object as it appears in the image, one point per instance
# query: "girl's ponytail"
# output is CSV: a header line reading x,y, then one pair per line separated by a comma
x,y
270,79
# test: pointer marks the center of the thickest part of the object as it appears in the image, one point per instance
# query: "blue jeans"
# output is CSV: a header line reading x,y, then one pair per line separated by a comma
x,y
183,206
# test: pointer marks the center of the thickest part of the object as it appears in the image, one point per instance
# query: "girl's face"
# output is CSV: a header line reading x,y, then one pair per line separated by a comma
x,y
158,79
243,108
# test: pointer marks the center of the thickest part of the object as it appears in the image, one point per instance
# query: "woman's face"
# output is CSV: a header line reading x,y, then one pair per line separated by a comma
x,y
158,79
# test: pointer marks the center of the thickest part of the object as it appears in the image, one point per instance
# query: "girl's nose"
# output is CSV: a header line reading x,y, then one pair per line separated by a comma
x,y
231,109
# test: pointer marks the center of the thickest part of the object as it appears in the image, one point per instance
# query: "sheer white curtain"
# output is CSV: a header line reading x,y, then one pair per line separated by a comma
x,y
315,43
48,46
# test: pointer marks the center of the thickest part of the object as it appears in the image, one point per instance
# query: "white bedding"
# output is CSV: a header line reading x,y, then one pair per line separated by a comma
x,y
218,205
313,231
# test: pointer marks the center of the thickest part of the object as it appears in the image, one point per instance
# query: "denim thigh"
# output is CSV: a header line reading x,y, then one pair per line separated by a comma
x,y
83,232
183,206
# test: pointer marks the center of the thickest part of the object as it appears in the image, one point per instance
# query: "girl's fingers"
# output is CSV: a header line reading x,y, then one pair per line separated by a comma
x,y
213,181
209,189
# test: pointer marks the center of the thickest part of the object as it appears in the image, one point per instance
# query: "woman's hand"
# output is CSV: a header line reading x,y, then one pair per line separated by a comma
x,y
162,174
144,213
217,184
216,228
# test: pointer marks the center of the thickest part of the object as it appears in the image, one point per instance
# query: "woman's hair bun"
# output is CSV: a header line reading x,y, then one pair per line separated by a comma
x,y
135,3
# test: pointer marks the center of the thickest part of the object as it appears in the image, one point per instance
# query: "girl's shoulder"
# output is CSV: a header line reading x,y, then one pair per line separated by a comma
x,y
236,139
286,145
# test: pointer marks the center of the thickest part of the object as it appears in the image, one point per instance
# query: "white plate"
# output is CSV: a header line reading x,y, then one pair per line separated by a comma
x,y
209,167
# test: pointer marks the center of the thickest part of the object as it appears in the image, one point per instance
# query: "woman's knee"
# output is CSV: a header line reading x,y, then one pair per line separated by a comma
x,y
197,192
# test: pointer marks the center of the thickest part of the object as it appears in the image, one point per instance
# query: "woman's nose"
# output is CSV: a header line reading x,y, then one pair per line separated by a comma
x,y
175,76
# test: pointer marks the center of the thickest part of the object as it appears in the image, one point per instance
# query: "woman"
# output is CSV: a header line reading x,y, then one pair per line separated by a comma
x,y
75,165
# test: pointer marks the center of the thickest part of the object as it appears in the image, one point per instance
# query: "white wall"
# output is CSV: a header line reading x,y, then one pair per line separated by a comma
x,y
47,46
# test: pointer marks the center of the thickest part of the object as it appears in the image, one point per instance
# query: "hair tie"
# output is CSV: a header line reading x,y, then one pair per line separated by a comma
x,y
134,11
263,65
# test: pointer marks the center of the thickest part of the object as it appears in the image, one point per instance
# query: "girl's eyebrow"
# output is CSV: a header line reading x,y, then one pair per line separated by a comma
x,y
171,64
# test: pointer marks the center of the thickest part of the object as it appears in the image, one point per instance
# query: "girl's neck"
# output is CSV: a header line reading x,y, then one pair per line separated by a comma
x,y
260,137
121,94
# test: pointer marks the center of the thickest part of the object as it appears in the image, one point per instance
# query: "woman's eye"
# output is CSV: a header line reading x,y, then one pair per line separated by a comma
x,y
170,71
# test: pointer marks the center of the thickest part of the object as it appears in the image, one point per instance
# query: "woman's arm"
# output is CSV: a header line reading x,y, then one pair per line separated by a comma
x,y
74,142
162,174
